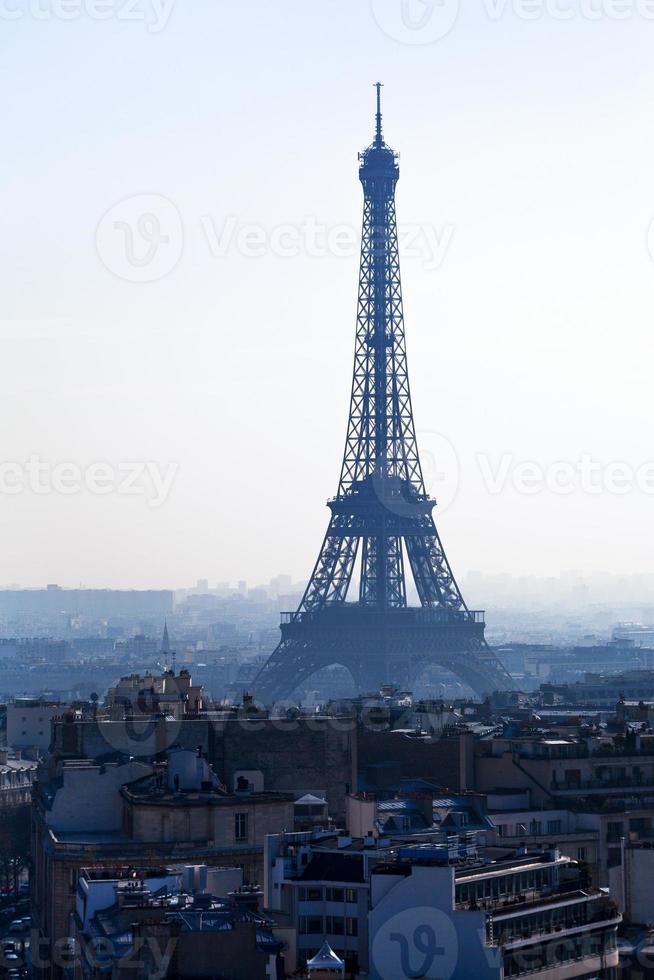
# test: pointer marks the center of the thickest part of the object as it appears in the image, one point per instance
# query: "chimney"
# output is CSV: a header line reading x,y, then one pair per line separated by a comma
x,y
160,736
246,899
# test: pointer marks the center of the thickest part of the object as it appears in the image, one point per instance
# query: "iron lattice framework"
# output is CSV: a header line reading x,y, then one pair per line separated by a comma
x,y
382,511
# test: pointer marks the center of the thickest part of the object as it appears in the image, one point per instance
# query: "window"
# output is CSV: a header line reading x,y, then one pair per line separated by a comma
x,y
553,826
314,894
310,924
335,925
240,826
535,828
581,853
335,894
352,927
350,894
520,829
614,830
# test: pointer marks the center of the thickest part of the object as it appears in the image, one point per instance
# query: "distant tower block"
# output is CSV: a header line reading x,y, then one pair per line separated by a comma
x,y
381,515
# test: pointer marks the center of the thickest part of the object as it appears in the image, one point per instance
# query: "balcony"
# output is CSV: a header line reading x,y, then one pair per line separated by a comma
x,y
351,613
544,897
633,783
584,911
579,750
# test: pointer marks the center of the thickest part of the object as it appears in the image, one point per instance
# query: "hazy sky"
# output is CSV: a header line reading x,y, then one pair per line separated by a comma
x,y
204,326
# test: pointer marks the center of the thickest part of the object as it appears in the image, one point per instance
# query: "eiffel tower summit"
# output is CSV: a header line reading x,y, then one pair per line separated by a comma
x,y
381,523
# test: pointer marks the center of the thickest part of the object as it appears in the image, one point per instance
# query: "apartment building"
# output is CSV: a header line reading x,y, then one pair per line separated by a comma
x,y
128,812
454,910
396,908
582,792
29,723
321,882
145,923
16,778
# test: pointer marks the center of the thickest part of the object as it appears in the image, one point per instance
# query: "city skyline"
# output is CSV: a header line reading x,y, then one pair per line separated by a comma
x,y
256,717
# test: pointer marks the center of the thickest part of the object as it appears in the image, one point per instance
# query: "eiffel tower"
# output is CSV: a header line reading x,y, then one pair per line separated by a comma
x,y
382,509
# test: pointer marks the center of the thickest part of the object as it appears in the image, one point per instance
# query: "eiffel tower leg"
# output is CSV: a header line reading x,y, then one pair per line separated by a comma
x,y
288,666
293,662
431,570
333,570
475,664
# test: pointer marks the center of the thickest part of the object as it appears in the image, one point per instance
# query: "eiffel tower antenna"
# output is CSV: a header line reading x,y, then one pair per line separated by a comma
x,y
378,134
382,516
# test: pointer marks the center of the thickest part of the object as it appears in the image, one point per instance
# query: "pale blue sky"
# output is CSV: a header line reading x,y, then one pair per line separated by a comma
x,y
525,145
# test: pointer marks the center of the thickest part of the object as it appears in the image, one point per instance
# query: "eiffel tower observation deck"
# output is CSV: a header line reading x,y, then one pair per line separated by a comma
x,y
381,523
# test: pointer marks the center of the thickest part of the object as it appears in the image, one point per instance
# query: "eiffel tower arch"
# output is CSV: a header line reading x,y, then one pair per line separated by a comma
x,y
381,514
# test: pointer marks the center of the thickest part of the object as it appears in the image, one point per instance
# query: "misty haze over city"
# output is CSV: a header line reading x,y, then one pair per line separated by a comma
x,y
326,490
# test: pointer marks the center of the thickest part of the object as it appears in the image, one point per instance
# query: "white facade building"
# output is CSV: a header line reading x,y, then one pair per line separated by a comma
x,y
447,911
28,723
632,883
